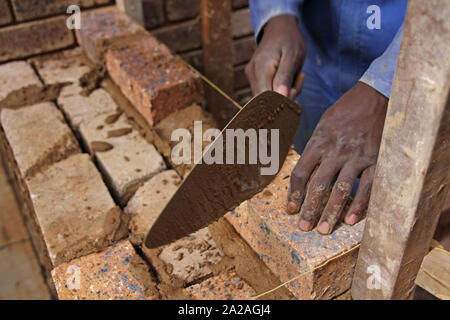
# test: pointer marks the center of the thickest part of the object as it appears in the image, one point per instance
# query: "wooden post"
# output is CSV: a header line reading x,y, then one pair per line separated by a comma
x,y
413,169
217,41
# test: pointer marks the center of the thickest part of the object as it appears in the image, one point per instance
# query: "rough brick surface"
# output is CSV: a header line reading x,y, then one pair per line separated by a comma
x,y
63,67
74,209
188,259
184,118
27,10
148,13
239,3
124,156
26,39
181,37
225,286
288,251
243,50
5,13
115,273
21,273
148,202
79,108
154,82
102,27
241,23
194,58
245,261
18,82
182,9
38,136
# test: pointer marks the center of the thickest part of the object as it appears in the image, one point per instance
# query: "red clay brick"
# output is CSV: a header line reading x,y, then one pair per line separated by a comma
x,y
239,3
241,23
182,9
181,37
74,209
184,118
26,39
152,80
102,27
115,273
225,286
14,90
38,136
27,10
194,58
153,13
188,259
243,50
148,202
288,251
5,13
128,161
79,108
61,67
148,13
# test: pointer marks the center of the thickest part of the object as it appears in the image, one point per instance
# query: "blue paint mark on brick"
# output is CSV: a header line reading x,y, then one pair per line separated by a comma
x,y
295,257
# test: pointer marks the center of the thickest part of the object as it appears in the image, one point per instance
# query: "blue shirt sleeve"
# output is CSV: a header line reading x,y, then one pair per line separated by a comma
x,y
380,73
262,11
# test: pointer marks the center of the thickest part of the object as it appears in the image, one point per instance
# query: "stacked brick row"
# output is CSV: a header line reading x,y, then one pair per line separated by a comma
x,y
177,24
34,27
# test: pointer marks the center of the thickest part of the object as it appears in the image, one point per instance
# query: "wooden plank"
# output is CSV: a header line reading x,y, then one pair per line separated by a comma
x,y
413,169
217,42
434,274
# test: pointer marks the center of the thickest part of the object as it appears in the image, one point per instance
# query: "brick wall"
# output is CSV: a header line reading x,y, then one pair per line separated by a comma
x,y
177,24
29,28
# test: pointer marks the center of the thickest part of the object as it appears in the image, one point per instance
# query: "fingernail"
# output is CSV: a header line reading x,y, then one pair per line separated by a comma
x,y
305,225
292,208
282,90
351,219
324,228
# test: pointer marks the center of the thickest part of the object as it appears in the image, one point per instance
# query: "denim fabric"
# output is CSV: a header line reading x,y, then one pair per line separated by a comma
x,y
341,49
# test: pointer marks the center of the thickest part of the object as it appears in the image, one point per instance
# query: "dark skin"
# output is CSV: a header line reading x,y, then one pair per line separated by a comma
x,y
345,142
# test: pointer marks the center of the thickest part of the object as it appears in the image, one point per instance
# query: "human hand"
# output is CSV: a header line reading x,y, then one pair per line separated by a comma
x,y
346,142
277,61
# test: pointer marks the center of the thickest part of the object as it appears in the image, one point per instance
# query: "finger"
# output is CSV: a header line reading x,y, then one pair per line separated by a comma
x,y
264,70
250,73
298,85
300,176
338,199
284,76
317,193
361,201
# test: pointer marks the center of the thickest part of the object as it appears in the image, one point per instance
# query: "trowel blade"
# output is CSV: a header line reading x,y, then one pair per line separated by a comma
x,y
211,190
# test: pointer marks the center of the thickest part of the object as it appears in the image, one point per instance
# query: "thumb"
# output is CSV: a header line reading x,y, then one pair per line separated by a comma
x,y
284,76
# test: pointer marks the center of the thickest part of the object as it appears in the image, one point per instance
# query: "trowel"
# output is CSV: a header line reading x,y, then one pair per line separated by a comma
x,y
212,190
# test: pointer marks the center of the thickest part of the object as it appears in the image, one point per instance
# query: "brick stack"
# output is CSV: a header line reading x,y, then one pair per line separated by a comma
x,y
93,172
177,24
